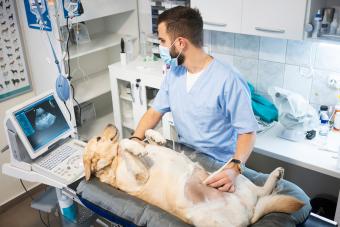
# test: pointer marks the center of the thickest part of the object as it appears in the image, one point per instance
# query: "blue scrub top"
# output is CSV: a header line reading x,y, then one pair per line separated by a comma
x,y
209,117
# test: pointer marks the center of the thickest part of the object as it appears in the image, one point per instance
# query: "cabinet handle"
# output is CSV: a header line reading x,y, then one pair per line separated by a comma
x,y
215,24
140,95
132,92
270,30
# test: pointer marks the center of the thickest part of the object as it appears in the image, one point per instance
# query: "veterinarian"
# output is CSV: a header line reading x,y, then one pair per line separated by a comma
x,y
210,103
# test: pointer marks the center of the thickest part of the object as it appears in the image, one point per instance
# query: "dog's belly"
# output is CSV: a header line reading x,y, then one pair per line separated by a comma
x,y
175,185
197,192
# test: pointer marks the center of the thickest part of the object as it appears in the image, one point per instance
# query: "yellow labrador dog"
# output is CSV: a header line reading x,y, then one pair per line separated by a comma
x,y
171,181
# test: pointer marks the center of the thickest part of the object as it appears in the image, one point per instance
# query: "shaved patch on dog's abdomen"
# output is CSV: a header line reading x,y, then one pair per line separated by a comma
x,y
197,192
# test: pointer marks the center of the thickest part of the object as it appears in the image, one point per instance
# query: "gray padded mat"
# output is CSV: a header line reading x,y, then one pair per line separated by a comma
x,y
126,206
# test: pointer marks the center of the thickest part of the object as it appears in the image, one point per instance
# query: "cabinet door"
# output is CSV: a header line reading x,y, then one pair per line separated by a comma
x,y
274,18
220,15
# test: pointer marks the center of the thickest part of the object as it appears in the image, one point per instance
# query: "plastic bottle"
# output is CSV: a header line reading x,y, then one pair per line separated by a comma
x,y
336,118
336,125
317,25
324,121
67,206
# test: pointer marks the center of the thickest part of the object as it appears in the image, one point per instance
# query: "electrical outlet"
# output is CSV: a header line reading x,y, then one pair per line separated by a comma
x,y
334,81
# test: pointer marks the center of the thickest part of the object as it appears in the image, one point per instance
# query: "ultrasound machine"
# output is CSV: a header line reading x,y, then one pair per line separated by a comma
x,y
42,144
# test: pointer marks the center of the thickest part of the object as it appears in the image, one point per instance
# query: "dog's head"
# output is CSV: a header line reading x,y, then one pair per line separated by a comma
x,y
101,151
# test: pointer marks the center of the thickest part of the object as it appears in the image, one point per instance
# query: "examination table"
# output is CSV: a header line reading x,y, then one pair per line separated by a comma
x,y
121,208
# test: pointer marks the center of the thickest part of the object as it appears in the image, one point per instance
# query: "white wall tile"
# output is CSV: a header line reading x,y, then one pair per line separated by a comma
x,y
225,58
321,93
248,68
269,62
269,74
297,81
247,46
300,52
273,49
328,57
222,42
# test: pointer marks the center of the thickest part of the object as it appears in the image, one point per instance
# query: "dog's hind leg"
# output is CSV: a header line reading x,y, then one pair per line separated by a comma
x,y
154,137
275,203
270,184
133,147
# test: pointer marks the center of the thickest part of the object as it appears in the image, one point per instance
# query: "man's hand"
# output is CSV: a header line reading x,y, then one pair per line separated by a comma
x,y
225,180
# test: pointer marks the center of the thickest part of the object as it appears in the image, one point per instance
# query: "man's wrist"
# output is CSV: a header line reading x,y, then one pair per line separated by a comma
x,y
234,167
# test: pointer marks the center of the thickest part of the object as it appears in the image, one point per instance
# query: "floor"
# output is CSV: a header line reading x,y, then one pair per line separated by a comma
x,y
22,215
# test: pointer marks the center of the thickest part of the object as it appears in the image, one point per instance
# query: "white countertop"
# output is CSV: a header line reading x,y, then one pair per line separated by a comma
x,y
304,154
151,72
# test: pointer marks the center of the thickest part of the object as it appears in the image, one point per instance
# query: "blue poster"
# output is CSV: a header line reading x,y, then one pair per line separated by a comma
x,y
33,15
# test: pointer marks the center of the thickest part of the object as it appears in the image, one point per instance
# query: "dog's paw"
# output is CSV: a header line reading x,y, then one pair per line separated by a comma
x,y
154,137
133,147
278,173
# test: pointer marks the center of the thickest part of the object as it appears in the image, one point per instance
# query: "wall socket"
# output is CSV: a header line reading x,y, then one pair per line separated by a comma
x,y
334,81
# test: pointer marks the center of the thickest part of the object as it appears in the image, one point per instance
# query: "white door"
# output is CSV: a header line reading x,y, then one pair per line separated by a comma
x,y
220,15
274,18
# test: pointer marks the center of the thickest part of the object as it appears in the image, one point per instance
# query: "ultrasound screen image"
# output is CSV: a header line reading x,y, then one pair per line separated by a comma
x,y
42,122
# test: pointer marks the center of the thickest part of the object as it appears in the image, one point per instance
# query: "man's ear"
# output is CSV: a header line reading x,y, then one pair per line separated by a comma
x,y
182,44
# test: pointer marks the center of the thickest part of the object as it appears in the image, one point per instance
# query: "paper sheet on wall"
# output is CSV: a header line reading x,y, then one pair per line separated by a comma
x,y
14,79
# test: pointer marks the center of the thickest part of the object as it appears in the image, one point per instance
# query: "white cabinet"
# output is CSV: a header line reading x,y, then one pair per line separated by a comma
x,y
274,18
220,15
134,88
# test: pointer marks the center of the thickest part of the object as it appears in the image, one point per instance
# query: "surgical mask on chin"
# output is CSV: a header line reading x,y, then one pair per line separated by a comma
x,y
164,52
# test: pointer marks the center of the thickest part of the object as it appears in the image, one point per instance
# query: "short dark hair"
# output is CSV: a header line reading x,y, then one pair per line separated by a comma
x,y
183,21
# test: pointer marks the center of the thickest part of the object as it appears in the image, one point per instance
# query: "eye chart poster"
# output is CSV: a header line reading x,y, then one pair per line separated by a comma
x,y
14,79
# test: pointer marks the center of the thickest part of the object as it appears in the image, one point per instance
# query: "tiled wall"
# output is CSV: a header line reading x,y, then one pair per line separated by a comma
x,y
299,66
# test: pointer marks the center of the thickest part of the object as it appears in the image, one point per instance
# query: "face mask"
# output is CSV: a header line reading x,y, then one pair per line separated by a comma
x,y
164,52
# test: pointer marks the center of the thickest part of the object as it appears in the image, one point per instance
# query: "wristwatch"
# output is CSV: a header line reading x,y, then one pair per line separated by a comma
x,y
239,165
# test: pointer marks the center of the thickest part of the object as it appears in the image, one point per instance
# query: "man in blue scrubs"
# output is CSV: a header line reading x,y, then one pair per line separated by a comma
x,y
210,102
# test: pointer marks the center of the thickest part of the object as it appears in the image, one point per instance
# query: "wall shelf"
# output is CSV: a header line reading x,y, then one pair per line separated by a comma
x,y
98,42
100,82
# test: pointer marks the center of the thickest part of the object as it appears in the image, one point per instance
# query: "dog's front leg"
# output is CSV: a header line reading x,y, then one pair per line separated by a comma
x,y
154,137
133,147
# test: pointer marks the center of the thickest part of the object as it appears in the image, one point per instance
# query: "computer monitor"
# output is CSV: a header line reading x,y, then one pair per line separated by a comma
x,y
39,123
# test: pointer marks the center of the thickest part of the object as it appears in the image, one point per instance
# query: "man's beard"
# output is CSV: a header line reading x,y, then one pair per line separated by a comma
x,y
180,58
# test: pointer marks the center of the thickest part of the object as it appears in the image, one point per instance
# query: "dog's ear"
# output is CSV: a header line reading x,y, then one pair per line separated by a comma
x,y
111,133
88,156
87,164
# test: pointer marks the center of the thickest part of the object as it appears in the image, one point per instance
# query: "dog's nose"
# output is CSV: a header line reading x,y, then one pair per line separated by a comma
x,y
98,138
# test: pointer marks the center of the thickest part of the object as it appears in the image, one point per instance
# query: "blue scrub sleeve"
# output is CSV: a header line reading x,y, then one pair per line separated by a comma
x,y
161,102
238,105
